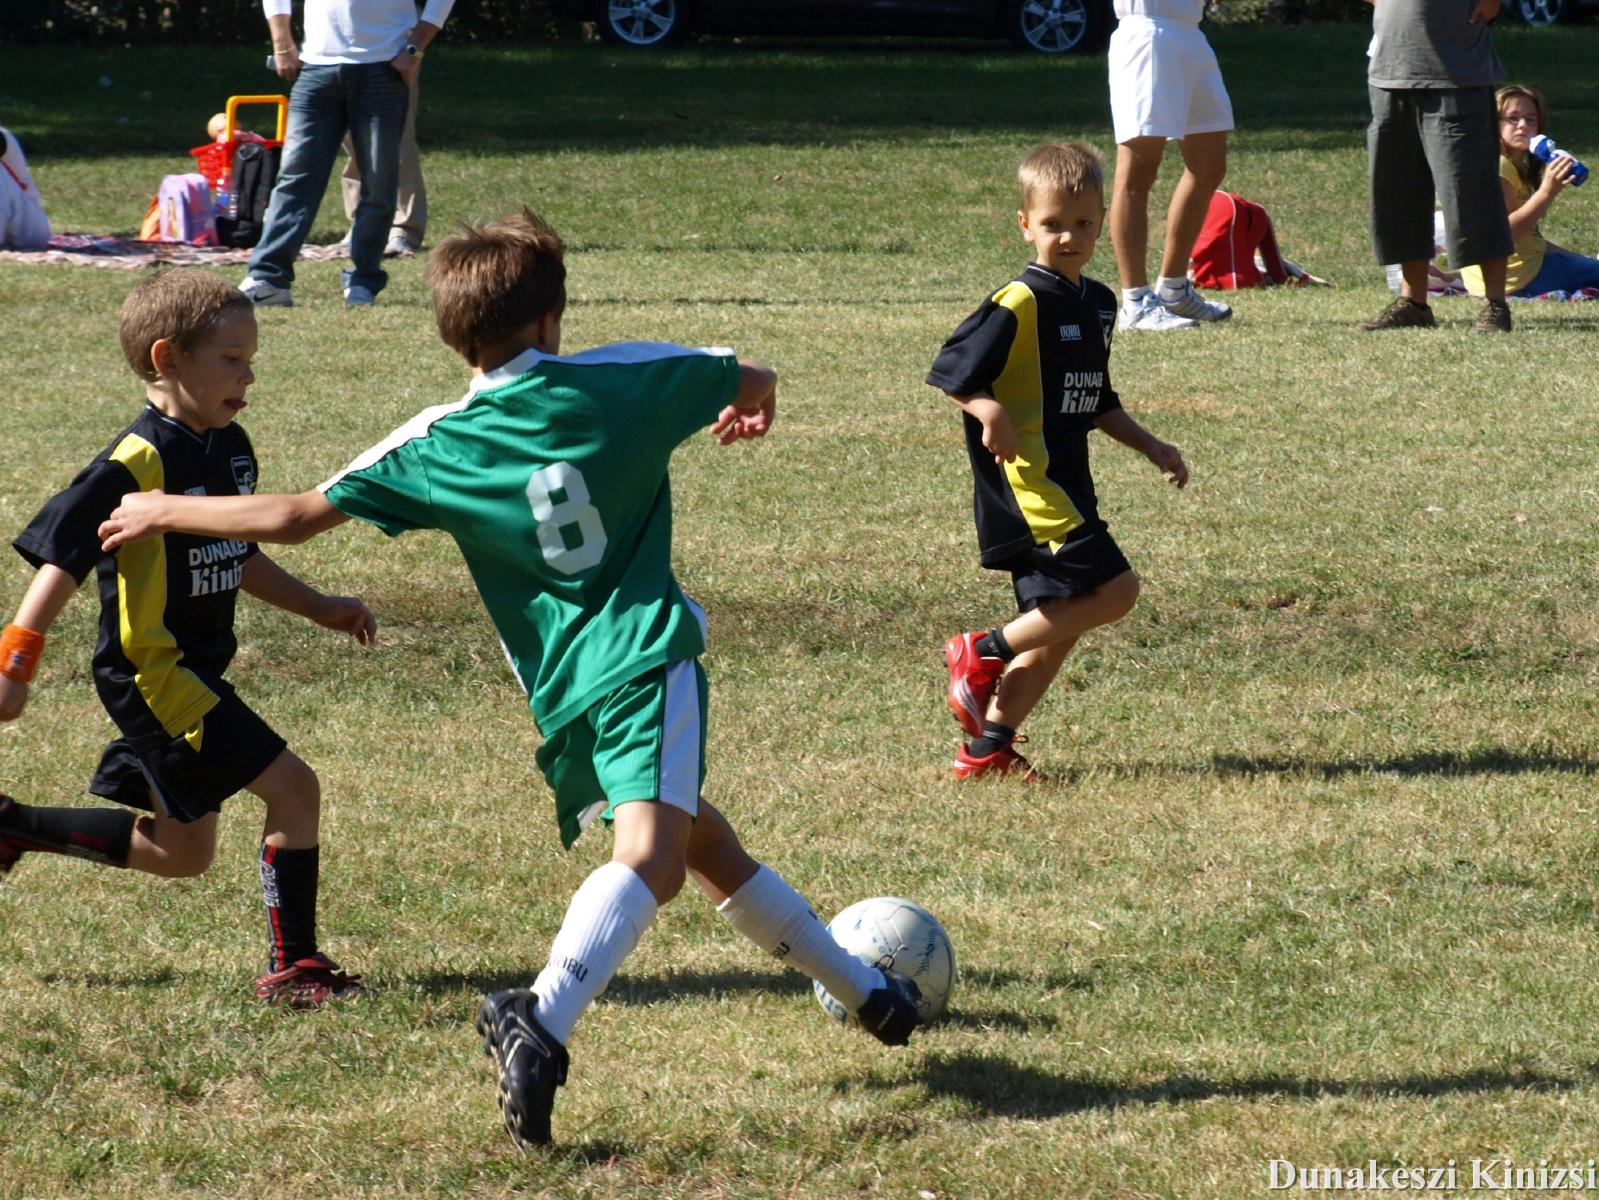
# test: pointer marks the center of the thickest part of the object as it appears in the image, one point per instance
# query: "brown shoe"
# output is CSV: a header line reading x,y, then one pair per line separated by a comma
x,y
1403,313
1494,318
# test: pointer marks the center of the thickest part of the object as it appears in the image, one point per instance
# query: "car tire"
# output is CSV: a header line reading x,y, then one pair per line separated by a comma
x,y
1539,13
642,24
1062,26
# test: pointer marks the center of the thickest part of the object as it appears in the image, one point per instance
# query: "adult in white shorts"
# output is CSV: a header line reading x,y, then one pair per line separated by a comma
x,y
1164,84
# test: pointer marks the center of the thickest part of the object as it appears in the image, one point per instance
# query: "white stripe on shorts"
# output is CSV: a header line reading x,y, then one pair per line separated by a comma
x,y
680,739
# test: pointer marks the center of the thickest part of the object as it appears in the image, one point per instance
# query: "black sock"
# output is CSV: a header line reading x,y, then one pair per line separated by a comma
x,y
288,886
995,737
100,835
993,645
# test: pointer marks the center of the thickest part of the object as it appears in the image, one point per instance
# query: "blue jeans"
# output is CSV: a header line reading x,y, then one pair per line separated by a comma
x,y
1562,271
367,101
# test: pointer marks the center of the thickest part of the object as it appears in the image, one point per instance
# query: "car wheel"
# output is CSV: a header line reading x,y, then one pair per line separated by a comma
x,y
1065,26
643,23
1541,12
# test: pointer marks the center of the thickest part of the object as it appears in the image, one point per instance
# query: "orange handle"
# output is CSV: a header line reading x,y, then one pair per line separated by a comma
x,y
237,102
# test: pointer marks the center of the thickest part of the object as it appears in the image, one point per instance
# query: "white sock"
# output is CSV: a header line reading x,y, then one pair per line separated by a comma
x,y
1171,288
776,918
603,923
1131,296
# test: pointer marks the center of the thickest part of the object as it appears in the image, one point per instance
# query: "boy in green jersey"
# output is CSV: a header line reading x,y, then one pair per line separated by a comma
x,y
551,475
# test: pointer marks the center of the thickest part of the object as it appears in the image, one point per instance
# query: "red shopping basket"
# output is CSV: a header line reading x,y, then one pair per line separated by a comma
x,y
214,160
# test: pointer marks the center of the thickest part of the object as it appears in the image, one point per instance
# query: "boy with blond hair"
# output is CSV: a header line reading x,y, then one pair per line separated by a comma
x,y
551,476
1030,371
166,637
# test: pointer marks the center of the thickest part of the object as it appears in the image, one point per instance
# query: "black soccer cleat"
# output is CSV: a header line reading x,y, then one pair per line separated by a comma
x,y
891,1011
531,1063
10,851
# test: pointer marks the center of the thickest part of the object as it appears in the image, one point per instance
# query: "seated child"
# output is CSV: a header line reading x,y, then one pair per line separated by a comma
x,y
551,476
1537,265
1237,248
166,637
23,225
1030,371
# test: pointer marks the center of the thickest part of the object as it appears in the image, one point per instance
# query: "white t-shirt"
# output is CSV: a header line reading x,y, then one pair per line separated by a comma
x,y
23,225
358,31
1187,11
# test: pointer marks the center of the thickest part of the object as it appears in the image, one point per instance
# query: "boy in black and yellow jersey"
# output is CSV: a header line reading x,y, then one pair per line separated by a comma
x,y
166,636
1030,369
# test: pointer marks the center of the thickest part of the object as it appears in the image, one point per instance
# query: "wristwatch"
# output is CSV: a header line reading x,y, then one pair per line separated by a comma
x,y
412,49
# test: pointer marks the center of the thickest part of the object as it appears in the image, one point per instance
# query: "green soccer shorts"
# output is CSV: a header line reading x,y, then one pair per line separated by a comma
x,y
644,741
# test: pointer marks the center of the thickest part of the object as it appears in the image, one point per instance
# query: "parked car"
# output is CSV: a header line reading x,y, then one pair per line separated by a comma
x,y
1041,26
1546,12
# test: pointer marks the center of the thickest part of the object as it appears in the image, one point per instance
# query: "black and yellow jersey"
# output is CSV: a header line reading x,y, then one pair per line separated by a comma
x,y
1041,347
166,605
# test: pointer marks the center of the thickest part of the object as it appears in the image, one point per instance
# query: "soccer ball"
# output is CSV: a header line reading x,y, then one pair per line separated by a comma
x,y
899,936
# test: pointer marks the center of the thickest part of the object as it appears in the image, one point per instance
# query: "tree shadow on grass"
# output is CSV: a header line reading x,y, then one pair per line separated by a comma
x,y
999,1088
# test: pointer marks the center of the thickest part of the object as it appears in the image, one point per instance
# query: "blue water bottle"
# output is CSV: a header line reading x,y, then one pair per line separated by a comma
x,y
1544,150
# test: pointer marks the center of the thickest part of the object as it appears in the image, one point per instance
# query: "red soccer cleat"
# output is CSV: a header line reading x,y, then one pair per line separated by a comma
x,y
308,983
972,680
1003,761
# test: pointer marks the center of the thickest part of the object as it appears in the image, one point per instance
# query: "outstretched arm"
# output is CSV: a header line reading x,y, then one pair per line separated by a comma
x,y
266,580
754,408
1119,424
23,640
284,519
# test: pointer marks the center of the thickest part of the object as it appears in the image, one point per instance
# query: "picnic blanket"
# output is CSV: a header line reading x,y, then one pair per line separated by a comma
x,y
100,250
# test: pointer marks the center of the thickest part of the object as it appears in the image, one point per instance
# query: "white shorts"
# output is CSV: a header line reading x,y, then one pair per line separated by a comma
x,y
1164,81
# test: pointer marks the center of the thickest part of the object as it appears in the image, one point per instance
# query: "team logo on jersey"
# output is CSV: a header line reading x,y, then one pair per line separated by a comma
x,y
1107,322
1071,333
244,474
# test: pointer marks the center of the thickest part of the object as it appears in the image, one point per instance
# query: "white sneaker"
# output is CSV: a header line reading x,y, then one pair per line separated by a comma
x,y
1195,307
1148,313
399,246
266,295
356,296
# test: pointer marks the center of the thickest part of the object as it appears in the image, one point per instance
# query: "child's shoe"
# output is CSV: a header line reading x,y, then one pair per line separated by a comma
x,y
890,1012
1189,303
1003,761
972,680
1149,314
531,1063
308,983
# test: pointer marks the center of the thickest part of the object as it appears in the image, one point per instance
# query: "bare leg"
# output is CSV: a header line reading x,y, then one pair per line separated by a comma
x,y
1137,165
1414,286
173,849
1493,279
1204,167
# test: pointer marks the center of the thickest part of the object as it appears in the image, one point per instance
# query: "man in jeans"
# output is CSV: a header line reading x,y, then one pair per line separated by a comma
x,y
1431,81
353,77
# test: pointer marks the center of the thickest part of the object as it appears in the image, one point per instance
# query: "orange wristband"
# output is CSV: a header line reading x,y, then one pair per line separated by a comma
x,y
20,649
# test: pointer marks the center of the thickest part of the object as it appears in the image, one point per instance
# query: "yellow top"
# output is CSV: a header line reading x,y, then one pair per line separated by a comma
x,y
1527,258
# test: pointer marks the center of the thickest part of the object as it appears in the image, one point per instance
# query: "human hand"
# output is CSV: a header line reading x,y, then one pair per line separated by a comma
x,y
13,698
406,66
286,61
347,614
1557,175
1483,11
999,434
1169,460
136,518
737,424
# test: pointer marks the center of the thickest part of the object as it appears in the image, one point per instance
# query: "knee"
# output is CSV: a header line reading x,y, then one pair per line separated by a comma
x,y
188,854
663,875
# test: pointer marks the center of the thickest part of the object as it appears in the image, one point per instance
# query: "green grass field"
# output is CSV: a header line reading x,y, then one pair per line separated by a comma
x,y
1315,882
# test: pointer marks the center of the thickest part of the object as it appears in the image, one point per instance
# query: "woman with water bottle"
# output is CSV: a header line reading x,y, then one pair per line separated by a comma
x,y
1532,172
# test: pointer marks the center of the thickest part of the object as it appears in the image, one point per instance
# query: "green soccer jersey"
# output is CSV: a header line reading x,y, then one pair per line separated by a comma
x,y
551,476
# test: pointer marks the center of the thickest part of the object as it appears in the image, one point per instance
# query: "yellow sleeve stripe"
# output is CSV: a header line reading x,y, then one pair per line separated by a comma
x,y
175,695
1048,511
